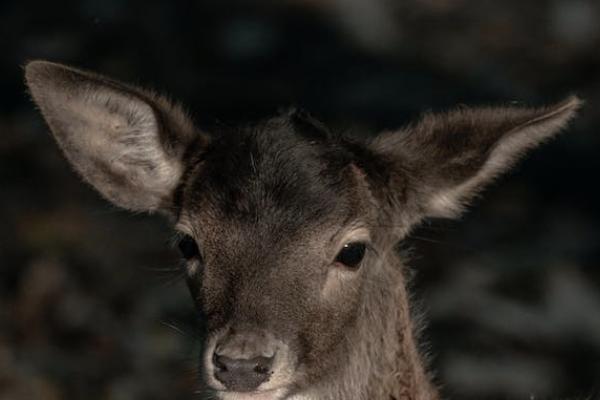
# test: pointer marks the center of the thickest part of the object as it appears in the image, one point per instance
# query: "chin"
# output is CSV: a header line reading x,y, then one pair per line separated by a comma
x,y
273,394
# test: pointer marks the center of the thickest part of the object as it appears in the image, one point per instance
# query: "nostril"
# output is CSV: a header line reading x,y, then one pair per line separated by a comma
x,y
219,362
242,374
262,365
259,364
261,369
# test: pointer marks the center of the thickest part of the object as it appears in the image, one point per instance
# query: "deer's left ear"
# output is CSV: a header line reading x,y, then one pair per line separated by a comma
x,y
439,164
126,142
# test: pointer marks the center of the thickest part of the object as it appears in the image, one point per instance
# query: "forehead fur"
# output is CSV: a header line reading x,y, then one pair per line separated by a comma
x,y
285,171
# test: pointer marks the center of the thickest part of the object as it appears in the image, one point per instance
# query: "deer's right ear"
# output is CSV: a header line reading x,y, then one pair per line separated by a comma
x,y
127,143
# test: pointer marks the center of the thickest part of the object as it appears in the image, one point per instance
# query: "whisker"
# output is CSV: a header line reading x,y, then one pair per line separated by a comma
x,y
425,239
175,328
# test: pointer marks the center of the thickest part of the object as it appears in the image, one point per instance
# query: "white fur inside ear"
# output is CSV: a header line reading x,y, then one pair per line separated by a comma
x,y
114,135
113,141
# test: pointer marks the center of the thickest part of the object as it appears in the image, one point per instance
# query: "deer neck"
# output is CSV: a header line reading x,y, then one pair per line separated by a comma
x,y
399,373
384,362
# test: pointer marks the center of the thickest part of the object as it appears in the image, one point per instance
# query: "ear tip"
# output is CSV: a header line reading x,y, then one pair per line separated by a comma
x,y
35,68
575,100
572,103
565,110
40,74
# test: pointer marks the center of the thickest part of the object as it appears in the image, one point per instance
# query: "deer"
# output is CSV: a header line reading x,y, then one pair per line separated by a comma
x,y
289,231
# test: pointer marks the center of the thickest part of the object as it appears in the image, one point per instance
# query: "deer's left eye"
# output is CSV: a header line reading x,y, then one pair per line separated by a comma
x,y
188,247
351,254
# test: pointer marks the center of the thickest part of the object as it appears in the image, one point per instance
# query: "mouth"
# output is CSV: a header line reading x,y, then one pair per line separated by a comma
x,y
273,394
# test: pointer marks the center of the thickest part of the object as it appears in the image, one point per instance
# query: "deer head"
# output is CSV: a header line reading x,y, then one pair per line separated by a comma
x,y
288,230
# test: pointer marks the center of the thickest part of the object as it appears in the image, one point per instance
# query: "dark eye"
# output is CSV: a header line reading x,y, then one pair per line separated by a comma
x,y
188,247
351,254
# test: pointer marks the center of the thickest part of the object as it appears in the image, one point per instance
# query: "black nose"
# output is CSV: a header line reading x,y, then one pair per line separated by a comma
x,y
242,375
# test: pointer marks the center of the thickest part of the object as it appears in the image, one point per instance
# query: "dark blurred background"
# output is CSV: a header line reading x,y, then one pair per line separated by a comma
x,y
90,305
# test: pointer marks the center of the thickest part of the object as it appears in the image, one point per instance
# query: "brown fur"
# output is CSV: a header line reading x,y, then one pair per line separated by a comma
x,y
271,206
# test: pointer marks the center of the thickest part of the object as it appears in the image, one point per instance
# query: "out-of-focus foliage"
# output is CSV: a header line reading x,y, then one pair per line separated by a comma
x,y
90,303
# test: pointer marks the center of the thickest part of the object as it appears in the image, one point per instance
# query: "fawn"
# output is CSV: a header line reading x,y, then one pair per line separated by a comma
x,y
288,231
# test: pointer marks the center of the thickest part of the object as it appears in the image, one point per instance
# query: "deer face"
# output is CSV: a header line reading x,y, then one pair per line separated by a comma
x,y
284,227
279,225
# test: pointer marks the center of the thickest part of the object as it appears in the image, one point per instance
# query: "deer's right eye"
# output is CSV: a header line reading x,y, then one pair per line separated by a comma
x,y
188,248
